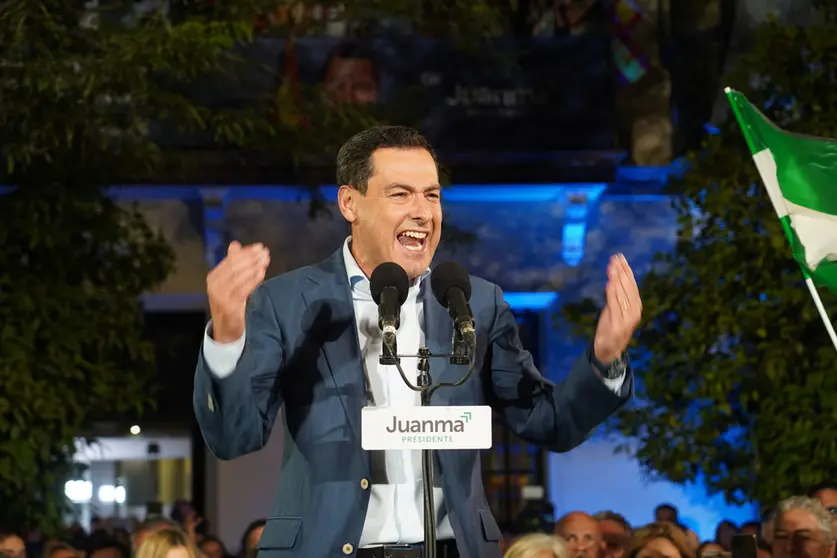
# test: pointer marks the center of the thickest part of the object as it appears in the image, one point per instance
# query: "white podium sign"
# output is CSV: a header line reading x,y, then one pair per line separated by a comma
x,y
420,428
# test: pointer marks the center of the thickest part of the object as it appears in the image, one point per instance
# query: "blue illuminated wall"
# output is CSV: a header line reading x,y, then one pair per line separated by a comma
x,y
534,241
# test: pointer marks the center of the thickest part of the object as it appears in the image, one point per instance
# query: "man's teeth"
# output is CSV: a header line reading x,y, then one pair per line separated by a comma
x,y
414,234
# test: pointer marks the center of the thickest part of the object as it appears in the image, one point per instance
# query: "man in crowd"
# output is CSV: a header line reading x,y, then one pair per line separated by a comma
x,y
583,535
615,531
802,528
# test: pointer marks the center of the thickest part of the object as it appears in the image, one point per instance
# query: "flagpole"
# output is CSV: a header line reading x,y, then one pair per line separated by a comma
x,y
821,309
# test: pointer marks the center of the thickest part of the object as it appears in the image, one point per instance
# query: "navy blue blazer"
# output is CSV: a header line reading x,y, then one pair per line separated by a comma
x,y
302,356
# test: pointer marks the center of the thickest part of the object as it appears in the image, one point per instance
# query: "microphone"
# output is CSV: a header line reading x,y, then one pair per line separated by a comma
x,y
451,286
389,285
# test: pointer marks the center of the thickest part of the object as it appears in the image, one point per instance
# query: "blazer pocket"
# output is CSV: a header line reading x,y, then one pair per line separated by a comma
x,y
280,533
490,529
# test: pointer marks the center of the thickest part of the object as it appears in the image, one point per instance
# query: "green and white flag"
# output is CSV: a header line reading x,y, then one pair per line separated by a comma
x,y
800,174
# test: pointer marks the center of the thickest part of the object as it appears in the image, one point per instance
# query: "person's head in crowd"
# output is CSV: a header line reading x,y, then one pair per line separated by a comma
x,y
538,545
212,547
711,549
666,512
826,493
350,74
615,531
122,536
802,528
106,547
11,545
391,196
98,524
724,533
660,539
58,549
167,543
251,537
152,524
582,534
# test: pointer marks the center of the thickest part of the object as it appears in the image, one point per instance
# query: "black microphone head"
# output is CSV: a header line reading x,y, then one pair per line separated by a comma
x,y
446,276
389,274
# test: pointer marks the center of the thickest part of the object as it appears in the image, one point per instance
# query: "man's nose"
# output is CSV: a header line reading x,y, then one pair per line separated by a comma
x,y
421,209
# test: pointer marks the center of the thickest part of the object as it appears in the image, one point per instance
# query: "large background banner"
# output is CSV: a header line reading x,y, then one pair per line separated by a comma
x,y
527,95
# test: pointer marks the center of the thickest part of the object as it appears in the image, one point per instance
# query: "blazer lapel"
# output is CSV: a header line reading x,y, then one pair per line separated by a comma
x,y
438,333
329,301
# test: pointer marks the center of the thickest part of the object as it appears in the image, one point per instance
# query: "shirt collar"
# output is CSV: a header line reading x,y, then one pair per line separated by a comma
x,y
358,280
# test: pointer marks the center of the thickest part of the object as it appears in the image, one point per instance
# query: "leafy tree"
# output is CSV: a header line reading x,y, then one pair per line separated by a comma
x,y
737,373
91,98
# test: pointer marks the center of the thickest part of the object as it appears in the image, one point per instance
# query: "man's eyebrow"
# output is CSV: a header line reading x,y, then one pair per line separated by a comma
x,y
396,185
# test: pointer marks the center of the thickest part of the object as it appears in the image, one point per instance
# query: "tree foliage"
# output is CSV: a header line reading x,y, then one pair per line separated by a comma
x,y
92,95
737,373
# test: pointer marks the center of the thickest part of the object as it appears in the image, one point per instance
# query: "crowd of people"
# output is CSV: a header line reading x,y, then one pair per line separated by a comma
x,y
798,527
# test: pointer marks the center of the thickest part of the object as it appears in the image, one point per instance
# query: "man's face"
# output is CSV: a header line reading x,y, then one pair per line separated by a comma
x,y
351,80
12,547
797,535
666,515
399,219
615,538
582,535
828,498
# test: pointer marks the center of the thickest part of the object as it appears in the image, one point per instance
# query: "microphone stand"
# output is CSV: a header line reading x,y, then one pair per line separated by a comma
x,y
463,355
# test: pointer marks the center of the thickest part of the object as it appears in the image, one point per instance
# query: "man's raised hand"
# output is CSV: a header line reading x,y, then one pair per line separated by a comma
x,y
229,285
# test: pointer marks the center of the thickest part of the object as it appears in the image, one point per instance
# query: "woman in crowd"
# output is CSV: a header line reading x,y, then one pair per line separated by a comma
x,y
659,540
538,545
167,543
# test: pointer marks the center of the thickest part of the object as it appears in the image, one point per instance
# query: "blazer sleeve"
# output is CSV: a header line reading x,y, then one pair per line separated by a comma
x,y
557,417
236,412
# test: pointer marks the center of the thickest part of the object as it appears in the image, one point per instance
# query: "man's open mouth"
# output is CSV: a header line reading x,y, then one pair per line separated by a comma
x,y
414,241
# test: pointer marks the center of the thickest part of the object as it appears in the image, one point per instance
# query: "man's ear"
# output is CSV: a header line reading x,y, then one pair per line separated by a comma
x,y
347,200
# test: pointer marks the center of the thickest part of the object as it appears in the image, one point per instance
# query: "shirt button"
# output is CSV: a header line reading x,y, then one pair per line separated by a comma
x,y
348,549
364,484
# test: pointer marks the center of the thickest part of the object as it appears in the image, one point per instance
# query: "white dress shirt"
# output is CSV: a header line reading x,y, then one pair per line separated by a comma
x,y
396,507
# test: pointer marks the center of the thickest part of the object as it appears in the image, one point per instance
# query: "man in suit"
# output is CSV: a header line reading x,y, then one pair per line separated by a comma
x,y
307,342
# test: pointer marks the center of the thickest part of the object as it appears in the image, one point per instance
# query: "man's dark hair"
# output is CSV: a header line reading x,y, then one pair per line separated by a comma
x,y
608,515
104,542
354,160
665,508
828,485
